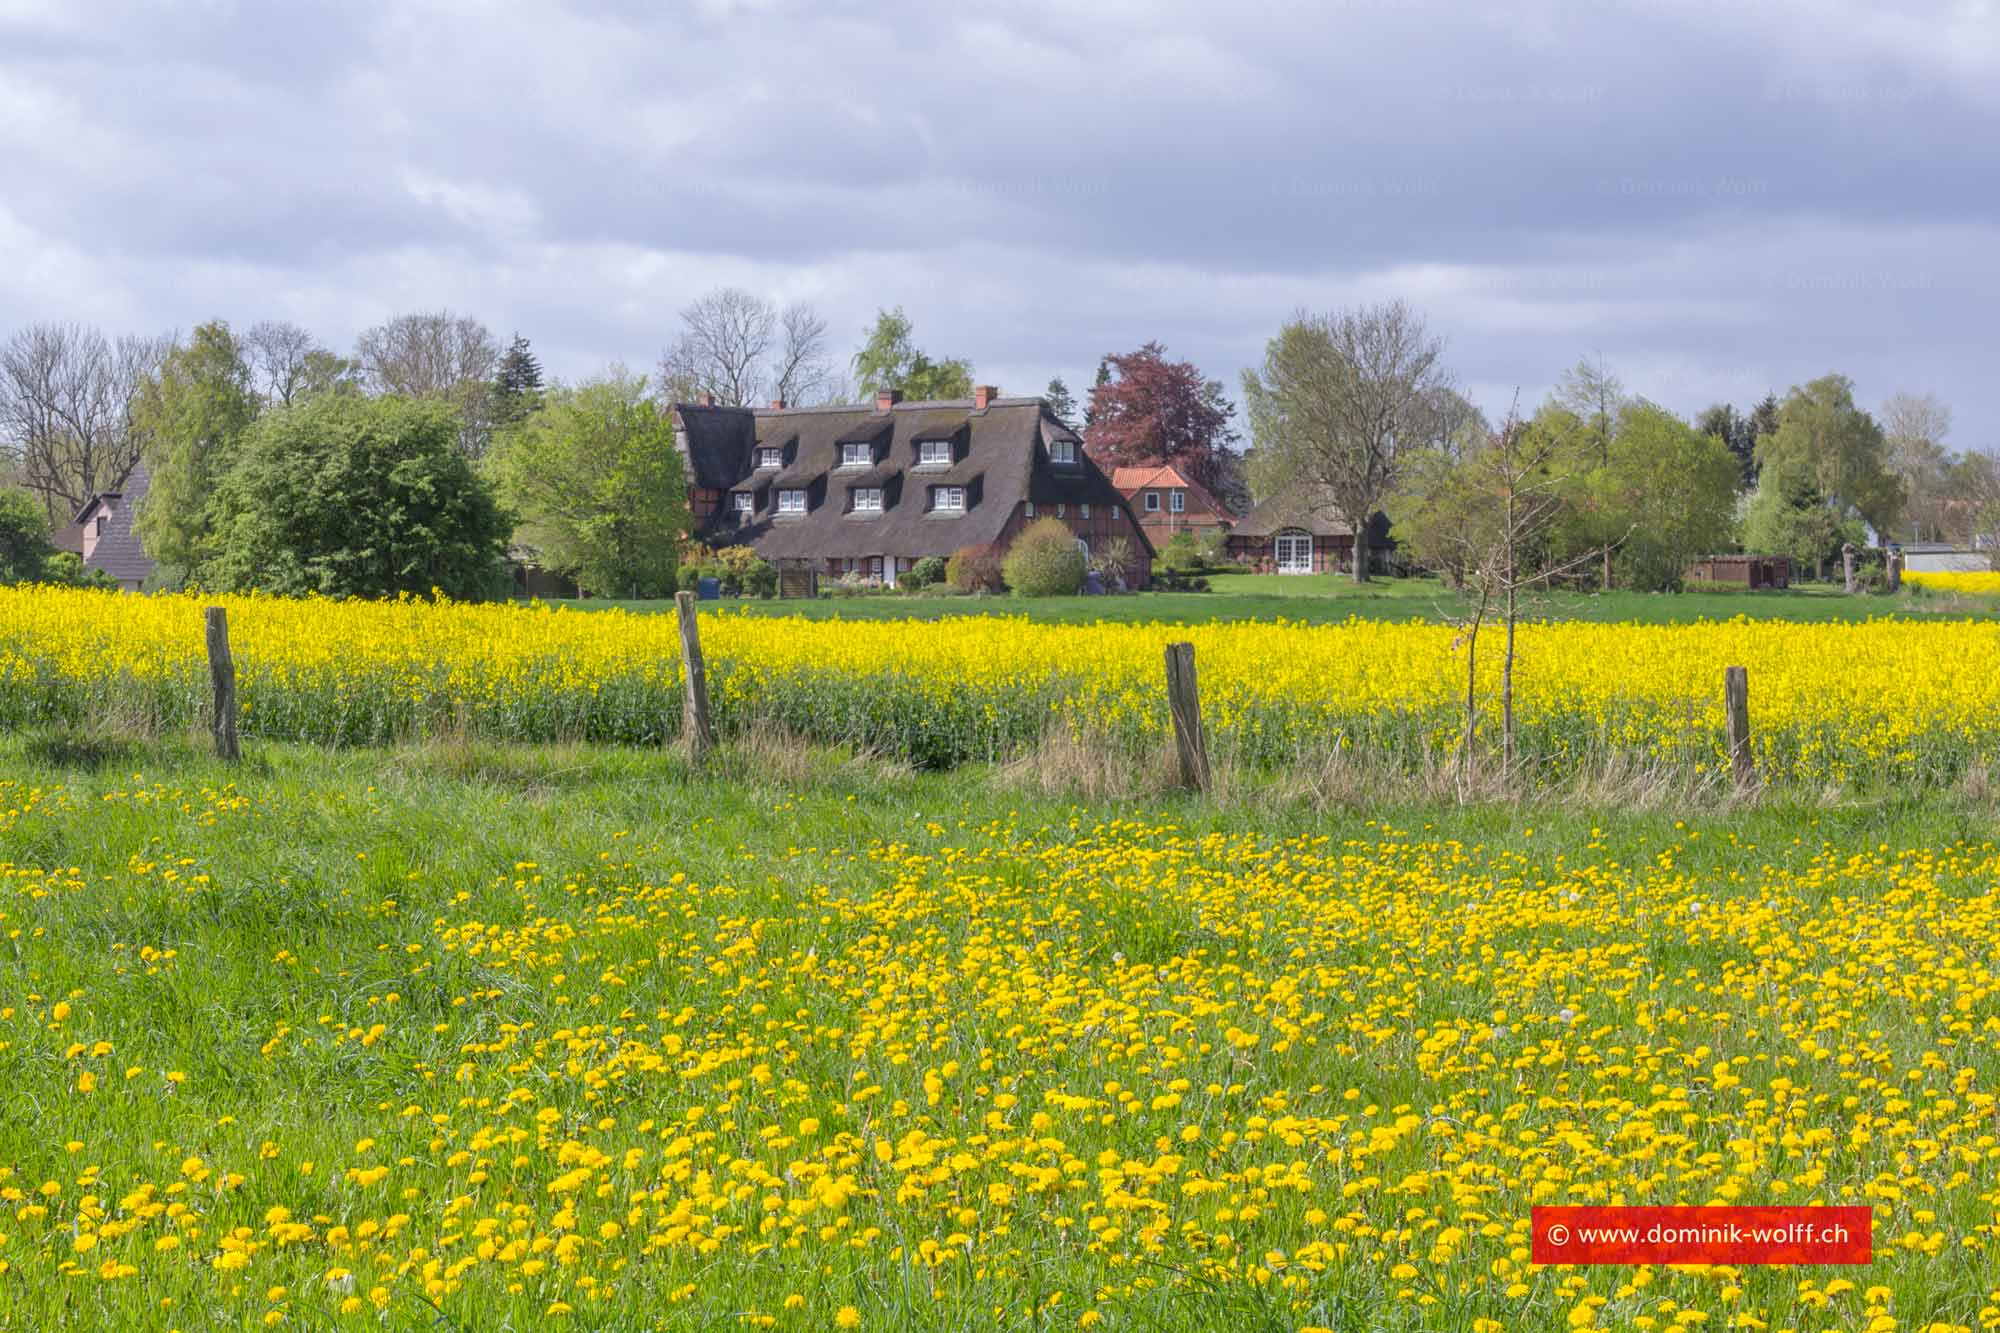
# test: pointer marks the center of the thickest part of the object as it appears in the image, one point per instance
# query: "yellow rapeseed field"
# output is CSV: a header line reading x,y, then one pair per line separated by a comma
x,y
1887,700
985,1072
1980,583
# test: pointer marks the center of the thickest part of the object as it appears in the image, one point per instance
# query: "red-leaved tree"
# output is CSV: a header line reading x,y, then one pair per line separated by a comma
x,y
1152,410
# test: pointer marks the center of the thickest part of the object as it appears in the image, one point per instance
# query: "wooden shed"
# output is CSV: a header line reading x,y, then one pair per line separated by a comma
x,y
1741,571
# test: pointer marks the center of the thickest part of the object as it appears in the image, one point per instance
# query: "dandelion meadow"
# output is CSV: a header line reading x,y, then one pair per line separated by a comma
x,y
1878,701
489,1039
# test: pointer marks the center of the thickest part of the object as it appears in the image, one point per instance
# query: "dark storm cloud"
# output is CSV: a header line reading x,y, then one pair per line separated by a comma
x,y
1720,198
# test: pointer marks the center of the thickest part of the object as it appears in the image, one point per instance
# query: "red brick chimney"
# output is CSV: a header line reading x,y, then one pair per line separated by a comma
x,y
887,398
983,396
777,404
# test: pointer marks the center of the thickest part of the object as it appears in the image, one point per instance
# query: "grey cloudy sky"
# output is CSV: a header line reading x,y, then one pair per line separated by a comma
x,y
1719,196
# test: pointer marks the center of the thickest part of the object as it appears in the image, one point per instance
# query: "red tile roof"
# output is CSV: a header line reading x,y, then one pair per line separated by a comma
x,y
1139,477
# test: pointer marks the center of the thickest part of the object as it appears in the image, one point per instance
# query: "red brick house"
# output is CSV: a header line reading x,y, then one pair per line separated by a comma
x,y
1168,501
872,488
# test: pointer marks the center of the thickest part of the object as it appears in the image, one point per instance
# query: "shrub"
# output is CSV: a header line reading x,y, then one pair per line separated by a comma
x,y
1045,561
1182,554
1116,559
66,568
927,572
743,573
975,569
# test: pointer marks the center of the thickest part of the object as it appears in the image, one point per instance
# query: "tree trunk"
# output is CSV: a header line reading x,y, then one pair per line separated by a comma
x,y
1360,551
1471,694
1607,567
1507,686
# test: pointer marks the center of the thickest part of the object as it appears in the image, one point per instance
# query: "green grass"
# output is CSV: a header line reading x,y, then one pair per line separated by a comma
x,y
533,927
1332,598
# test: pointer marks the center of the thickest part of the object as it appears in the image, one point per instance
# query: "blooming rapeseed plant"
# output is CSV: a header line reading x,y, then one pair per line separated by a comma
x,y
1888,700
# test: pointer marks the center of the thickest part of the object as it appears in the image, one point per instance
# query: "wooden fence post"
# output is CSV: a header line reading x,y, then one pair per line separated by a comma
x,y
1184,702
1736,702
1847,567
222,675
694,672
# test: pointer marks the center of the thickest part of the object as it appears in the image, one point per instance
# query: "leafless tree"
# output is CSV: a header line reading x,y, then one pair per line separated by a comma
x,y
435,354
427,354
725,339
66,400
1483,517
1595,396
1915,426
287,361
802,371
1342,399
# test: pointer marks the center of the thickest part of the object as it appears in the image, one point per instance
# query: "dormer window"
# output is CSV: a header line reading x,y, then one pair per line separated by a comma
x,y
948,499
934,453
770,458
867,499
791,502
1063,451
100,525
1178,501
746,504
856,455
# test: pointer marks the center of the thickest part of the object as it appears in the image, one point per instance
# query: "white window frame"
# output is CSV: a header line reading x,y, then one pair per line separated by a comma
x,y
768,458
1152,502
791,502
1062,452
746,504
1177,500
948,499
1029,509
1084,510
1287,543
857,455
934,453
863,496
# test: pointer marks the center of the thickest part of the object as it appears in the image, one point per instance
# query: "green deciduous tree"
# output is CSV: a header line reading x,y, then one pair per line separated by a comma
x,y
24,538
1832,453
598,486
1790,515
349,496
890,359
190,417
1670,490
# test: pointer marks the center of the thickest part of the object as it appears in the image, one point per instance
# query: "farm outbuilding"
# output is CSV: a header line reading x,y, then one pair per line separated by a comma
x,y
1741,571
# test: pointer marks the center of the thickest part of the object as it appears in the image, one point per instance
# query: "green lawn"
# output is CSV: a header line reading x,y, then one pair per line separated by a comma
x,y
488,1037
1331,598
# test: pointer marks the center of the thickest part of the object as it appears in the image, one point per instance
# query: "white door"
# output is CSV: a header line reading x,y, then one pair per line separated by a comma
x,y
1295,553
